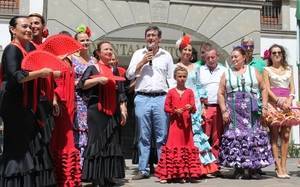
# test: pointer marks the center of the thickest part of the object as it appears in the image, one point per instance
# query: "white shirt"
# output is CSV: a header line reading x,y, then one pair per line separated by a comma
x,y
210,81
151,78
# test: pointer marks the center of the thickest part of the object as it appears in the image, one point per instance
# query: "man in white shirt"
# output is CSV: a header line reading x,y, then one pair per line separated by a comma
x,y
151,66
210,76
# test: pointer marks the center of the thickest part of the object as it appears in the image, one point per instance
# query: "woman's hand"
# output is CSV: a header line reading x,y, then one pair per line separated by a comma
x,y
56,109
225,116
178,111
188,107
45,72
102,80
284,103
264,112
124,116
57,74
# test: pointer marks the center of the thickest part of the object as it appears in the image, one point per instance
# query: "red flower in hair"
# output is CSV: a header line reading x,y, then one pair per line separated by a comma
x,y
267,54
88,31
183,42
186,40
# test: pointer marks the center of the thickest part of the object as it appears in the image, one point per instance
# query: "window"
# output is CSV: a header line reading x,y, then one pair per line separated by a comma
x,y
271,15
9,6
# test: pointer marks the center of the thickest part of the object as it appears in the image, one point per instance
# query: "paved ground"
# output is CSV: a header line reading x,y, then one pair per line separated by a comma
x,y
268,180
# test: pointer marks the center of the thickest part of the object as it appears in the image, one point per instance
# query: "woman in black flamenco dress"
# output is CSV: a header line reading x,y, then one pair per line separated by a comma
x,y
103,158
25,161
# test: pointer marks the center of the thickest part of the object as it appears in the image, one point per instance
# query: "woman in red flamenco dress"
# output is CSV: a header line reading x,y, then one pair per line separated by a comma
x,y
65,155
179,158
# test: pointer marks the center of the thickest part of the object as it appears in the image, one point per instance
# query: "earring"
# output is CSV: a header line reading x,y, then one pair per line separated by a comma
x,y
45,32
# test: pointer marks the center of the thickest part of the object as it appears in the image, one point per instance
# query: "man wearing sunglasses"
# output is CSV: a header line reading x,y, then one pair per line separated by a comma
x,y
258,63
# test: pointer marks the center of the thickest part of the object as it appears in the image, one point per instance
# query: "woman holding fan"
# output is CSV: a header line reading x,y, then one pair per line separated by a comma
x,y
25,161
103,159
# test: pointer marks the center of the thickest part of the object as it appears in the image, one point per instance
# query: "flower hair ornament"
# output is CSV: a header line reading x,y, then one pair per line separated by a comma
x,y
84,29
45,32
183,41
267,54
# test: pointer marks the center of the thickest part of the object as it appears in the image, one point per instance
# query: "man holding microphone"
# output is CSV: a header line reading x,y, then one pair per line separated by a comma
x,y
152,67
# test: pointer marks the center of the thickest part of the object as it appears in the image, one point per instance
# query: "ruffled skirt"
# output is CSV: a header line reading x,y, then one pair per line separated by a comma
x,y
179,163
245,144
65,155
201,142
26,161
246,149
278,117
46,120
103,158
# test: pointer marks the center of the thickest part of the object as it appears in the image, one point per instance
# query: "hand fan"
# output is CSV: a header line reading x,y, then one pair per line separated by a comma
x,y
41,59
60,45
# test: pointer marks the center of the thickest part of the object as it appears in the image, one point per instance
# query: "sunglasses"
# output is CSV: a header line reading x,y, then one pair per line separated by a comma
x,y
276,52
248,46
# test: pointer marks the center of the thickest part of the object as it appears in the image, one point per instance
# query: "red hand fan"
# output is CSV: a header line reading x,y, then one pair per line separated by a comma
x,y
41,59
115,78
60,45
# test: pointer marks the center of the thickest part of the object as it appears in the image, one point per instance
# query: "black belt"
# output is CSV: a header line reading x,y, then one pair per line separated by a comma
x,y
211,105
151,94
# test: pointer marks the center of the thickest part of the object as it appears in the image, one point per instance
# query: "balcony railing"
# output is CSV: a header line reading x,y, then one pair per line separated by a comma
x,y
9,6
270,16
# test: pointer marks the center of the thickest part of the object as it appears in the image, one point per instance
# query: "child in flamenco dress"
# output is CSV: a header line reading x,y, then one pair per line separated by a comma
x,y
179,160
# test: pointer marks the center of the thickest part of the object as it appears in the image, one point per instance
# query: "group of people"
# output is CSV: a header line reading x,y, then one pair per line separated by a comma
x,y
232,114
199,115
61,124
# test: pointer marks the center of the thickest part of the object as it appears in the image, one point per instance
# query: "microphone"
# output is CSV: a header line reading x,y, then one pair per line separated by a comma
x,y
150,48
150,61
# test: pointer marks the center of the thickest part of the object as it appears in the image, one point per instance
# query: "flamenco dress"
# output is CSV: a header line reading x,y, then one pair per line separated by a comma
x,y
103,157
65,155
280,87
207,158
179,157
245,142
80,123
25,161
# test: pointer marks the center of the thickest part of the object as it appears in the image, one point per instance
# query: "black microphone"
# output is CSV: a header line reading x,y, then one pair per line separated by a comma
x,y
150,61
150,48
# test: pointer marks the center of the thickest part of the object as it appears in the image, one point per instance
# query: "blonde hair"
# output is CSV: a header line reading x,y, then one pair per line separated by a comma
x,y
180,68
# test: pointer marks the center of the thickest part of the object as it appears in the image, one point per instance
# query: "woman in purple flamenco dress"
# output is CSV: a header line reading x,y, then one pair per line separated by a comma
x,y
81,61
245,143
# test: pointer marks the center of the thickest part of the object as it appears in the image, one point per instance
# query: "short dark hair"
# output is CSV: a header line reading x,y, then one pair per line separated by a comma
x,y
13,23
101,43
153,27
39,16
65,33
240,49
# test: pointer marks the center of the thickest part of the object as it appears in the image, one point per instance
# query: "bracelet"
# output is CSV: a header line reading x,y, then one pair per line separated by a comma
x,y
277,100
292,95
225,111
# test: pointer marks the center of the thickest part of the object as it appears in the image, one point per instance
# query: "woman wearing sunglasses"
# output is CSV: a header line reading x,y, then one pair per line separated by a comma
x,y
279,82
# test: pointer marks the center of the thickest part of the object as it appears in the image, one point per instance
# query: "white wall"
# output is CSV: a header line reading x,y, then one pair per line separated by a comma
x,y
293,20
36,6
4,36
